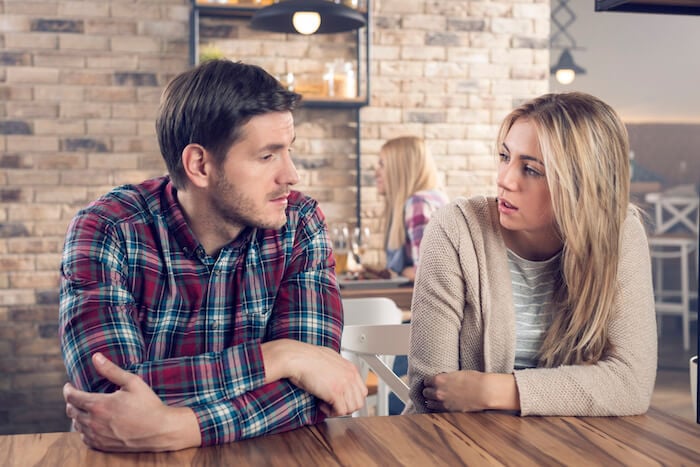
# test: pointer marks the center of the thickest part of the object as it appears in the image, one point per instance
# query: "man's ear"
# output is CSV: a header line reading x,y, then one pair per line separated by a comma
x,y
196,163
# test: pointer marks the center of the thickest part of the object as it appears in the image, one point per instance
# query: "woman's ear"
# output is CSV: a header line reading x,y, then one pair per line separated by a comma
x,y
195,162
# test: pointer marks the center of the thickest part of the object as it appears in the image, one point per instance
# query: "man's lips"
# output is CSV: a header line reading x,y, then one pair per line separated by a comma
x,y
276,198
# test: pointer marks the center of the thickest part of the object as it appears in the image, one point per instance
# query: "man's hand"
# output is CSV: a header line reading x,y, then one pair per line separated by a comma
x,y
470,391
319,371
130,419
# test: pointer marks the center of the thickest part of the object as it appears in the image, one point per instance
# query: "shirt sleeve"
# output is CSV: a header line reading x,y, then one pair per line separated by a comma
x,y
417,212
622,382
225,389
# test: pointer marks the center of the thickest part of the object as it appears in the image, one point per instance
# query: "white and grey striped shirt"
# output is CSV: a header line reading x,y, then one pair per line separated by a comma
x,y
533,285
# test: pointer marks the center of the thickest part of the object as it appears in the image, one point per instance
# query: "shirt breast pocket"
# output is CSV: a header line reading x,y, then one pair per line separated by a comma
x,y
255,316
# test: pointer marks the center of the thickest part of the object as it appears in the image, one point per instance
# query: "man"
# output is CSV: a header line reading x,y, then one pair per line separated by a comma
x,y
202,307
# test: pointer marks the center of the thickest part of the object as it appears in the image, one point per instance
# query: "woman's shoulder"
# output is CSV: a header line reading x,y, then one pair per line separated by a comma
x,y
633,227
475,211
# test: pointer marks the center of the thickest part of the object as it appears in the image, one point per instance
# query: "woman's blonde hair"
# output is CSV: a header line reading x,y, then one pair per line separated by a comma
x,y
408,168
585,149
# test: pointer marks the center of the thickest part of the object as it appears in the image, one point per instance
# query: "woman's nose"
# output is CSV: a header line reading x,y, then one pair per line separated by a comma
x,y
507,177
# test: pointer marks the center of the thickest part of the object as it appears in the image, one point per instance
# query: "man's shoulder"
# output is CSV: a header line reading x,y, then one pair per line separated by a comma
x,y
301,206
127,203
299,200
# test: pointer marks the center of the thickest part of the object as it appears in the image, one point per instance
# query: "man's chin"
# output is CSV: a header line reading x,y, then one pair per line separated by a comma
x,y
273,224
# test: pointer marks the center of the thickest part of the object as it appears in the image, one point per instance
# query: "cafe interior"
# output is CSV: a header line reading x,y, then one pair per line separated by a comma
x,y
81,81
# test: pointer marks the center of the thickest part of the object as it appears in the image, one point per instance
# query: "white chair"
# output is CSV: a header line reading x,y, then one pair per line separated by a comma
x,y
675,237
372,342
377,311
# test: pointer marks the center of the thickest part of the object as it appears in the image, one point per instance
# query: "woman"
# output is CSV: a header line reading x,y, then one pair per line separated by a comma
x,y
407,178
540,300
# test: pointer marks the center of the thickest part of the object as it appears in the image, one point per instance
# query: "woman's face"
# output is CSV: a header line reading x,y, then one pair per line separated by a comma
x,y
524,201
379,174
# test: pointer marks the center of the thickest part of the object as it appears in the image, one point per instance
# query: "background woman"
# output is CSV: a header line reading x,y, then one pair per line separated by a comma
x,y
407,178
540,300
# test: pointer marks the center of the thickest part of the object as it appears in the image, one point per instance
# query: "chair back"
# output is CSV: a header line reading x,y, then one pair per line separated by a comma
x,y
676,213
374,311
370,341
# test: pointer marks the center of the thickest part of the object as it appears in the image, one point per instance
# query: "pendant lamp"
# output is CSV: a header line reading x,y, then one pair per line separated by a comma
x,y
562,17
566,69
307,17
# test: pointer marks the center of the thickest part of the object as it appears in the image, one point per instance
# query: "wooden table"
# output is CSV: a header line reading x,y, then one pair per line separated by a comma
x,y
401,295
421,440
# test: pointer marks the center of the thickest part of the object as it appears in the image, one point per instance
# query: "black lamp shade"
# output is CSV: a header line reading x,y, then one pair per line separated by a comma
x,y
566,62
335,17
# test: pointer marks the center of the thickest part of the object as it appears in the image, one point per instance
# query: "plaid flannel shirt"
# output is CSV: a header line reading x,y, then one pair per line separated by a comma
x,y
138,287
418,209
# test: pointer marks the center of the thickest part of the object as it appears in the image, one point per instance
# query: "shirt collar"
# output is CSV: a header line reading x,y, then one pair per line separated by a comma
x,y
177,224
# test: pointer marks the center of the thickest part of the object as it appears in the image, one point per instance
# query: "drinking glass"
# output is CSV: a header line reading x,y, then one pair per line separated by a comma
x,y
340,237
360,241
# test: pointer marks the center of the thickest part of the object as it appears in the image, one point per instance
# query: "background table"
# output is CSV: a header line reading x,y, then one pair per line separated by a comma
x,y
400,294
429,439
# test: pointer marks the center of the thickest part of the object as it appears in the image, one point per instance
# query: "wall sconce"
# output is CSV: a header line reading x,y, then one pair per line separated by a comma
x,y
566,69
307,17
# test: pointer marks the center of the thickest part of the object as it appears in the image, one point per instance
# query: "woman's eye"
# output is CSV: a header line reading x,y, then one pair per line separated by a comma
x,y
530,171
504,157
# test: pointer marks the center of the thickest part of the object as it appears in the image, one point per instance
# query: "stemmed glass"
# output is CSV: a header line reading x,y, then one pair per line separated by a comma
x,y
360,241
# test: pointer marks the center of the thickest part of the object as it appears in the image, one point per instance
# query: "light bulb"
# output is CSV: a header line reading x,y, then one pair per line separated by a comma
x,y
306,22
565,75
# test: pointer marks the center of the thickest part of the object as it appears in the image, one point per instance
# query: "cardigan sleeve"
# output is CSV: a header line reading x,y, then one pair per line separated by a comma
x,y
622,382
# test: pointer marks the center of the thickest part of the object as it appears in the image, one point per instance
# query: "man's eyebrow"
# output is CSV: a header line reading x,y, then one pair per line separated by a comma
x,y
276,146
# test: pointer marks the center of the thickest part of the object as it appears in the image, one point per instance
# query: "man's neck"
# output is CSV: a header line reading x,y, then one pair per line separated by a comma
x,y
208,228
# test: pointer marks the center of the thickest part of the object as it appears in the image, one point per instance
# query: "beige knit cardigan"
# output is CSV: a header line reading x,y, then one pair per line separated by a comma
x,y
463,318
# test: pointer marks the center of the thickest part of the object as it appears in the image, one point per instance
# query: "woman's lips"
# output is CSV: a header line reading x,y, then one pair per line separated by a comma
x,y
505,207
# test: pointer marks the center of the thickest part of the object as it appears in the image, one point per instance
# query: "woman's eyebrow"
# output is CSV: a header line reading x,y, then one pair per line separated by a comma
x,y
524,156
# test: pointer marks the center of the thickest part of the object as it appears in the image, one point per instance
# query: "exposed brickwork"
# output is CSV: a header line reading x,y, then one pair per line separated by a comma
x,y
80,83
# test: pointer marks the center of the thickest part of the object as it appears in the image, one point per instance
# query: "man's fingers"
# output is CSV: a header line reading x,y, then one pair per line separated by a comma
x,y
111,371
75,397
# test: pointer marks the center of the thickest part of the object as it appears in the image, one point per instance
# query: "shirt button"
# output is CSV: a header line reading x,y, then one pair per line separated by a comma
x,y
215,325
217,272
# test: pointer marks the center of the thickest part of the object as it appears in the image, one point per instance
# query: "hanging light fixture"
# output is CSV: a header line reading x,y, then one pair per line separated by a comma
x,y
306,22
307,17
566,69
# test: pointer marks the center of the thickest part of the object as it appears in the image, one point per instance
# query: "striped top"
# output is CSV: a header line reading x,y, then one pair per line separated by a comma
x,y
533,284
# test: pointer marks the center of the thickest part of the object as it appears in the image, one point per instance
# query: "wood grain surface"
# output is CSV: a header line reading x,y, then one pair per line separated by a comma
x,y
429,439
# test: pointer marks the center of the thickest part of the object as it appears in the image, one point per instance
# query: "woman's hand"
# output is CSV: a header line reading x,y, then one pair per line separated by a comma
x,y
470,391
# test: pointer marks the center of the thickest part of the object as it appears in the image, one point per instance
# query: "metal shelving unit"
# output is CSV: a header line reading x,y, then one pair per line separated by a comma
x,y
362,37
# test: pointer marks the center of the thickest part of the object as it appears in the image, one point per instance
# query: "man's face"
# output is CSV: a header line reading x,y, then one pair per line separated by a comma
x,y
253,183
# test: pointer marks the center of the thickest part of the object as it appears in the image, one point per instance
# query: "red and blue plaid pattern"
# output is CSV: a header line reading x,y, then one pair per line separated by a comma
x,y
137,286
418,210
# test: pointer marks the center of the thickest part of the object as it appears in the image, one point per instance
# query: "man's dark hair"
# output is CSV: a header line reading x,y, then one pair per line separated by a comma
x,y
209,104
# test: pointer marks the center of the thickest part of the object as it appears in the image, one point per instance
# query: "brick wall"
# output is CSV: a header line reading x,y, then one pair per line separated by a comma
x,y
79,86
